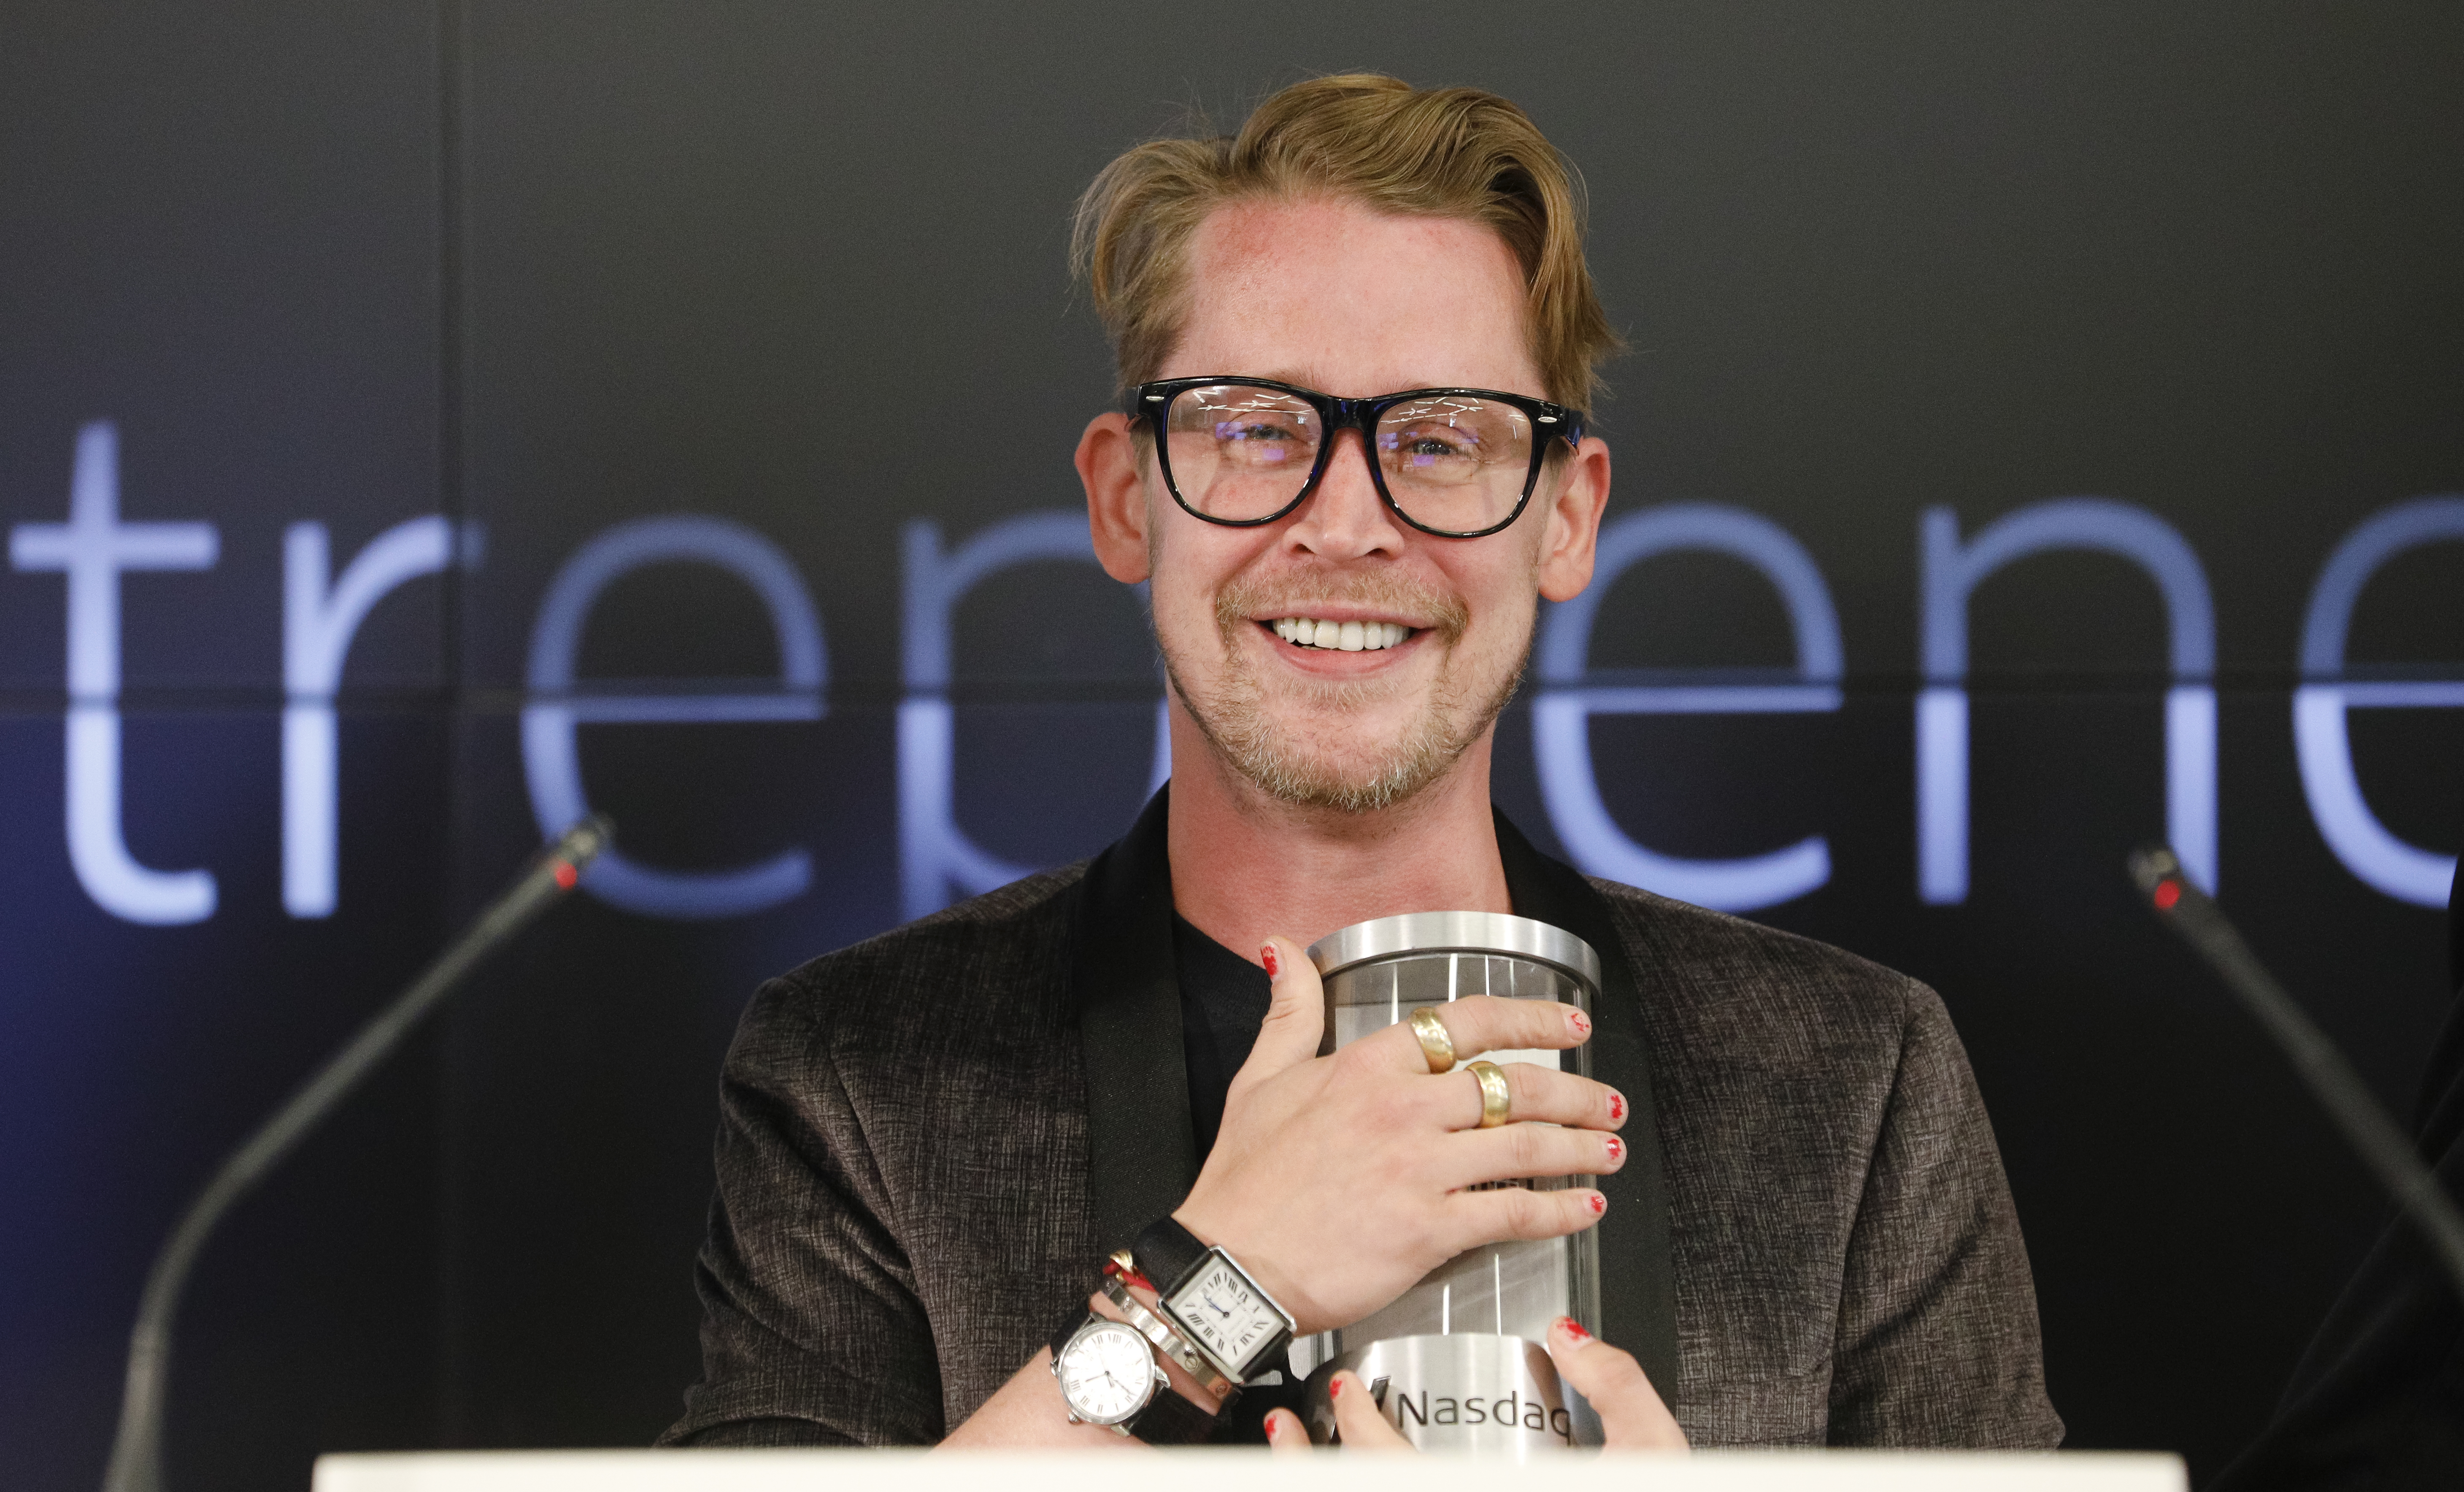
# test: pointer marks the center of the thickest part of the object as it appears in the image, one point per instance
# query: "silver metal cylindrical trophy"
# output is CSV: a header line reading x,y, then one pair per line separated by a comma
x,y
1459,1361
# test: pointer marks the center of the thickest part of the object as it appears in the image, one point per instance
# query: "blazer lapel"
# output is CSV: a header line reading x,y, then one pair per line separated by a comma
x,y
1142,1154
1637,1278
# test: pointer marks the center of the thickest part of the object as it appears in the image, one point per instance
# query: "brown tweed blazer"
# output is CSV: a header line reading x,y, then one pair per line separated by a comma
x,y
904,1209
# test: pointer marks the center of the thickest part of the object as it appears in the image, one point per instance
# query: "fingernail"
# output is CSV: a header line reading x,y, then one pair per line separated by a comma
x,y
1573,1329
1581,1022
1617,1106
1617,1149
1334,1387
1274,1427
1598,1204
1266,957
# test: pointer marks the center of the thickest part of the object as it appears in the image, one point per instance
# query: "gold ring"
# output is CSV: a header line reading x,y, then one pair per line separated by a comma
x,y
1436,1043
1496,1100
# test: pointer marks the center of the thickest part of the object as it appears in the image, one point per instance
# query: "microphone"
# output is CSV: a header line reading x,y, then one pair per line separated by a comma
x,y
137,1450
2384,1146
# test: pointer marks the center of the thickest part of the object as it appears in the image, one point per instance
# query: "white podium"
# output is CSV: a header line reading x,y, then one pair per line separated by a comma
x,y
1239,1471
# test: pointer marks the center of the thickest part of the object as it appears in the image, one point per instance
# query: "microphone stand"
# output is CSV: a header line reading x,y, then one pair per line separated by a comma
x,y
136,1451
2383,1146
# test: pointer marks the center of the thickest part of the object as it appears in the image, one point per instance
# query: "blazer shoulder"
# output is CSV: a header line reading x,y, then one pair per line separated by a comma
x,y
1718,956
991,951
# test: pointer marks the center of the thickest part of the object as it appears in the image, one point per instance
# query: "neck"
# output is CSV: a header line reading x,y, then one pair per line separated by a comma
x,y
1246,865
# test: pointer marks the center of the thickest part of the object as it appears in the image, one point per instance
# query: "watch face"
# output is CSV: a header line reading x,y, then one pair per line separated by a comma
x,y
1107,1372
1226,1315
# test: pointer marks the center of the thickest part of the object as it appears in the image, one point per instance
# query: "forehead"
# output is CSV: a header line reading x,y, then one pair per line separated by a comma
x,y
1340,297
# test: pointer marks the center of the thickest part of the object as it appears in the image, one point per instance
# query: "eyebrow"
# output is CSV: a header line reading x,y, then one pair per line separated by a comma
x,y
1287,375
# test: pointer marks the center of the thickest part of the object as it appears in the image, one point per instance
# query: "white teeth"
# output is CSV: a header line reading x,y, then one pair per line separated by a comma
x,y
1345,636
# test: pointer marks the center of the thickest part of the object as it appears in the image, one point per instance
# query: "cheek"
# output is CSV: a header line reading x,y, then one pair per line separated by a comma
x,y
1504,597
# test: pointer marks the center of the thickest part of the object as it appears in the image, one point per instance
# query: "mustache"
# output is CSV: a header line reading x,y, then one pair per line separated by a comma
x,y
1438,611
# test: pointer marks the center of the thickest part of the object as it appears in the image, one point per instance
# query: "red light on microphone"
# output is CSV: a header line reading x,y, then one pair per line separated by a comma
x,y
567,875
2168,892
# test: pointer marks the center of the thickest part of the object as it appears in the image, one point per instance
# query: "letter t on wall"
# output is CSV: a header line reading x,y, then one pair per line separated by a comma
x,y
91,549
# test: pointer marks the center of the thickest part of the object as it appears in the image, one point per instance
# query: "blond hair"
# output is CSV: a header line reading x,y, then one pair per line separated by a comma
x,y
1363,137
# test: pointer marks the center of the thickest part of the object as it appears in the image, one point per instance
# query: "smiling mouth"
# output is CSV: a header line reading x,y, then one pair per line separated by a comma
x,y
1341,636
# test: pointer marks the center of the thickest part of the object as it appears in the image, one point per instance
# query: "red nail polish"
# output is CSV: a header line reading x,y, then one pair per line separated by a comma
x,y
1573,1328
1334,1387
1617,1106
1266,957
1581,1022
1598,1204
1617,1148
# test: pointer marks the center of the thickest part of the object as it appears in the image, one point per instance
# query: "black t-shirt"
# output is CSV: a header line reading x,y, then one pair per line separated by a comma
x,y
1224,997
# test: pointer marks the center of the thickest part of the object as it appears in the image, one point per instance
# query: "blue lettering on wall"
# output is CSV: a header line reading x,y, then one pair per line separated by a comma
x,y
1571,694
2379,859
317,626
1953,571
321,614
934,855
92,548
557,705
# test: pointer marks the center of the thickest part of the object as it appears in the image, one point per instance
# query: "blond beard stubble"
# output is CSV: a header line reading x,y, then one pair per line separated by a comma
x,y
1234,719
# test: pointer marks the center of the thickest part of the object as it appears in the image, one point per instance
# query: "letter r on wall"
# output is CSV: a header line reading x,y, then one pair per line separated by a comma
x,y
317,626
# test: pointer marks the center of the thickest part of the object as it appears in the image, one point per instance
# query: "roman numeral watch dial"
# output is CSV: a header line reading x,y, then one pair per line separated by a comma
x,y
1213,1301
1109,1377
1107,1373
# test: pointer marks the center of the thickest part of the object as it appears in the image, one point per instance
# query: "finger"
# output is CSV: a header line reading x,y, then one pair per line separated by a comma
x,y
1285,1432
1535,1092
1483,1023
1356,1418
1512,1152
1295,1014
1473,1218
1633,1415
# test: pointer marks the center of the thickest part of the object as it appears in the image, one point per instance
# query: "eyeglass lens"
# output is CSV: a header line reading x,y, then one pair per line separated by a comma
x,y
1452,462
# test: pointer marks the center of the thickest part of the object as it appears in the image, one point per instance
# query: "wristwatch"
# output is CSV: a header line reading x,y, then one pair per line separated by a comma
x,y
1121,1273
1204,1291
1109,1377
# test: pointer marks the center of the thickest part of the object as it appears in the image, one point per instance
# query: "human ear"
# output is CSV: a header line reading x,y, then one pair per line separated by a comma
x,y
1116,497
1572,536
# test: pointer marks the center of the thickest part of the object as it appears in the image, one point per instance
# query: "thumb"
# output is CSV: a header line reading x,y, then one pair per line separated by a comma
x,y
1295,1014
1633,1415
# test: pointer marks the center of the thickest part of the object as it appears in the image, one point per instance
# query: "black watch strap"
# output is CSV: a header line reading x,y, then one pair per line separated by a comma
x,y
1168,1419
1166,1253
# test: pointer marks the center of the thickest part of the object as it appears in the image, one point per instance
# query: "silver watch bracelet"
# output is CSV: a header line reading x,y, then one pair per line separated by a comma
x,y
1157,1329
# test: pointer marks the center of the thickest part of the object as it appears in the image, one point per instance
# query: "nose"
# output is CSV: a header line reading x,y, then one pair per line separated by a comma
x,y
1345,518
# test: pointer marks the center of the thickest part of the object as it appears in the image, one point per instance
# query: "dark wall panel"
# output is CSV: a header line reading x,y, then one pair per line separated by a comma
x,y
763,311
218,234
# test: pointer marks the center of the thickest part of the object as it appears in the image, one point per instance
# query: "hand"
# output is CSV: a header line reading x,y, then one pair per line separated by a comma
x,y
1632,1415
1339,1181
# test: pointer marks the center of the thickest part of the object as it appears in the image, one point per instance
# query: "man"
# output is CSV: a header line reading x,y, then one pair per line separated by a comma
x,y
929,1142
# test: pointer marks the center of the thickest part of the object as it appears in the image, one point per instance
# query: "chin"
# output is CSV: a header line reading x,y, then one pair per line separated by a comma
x,y
1358,771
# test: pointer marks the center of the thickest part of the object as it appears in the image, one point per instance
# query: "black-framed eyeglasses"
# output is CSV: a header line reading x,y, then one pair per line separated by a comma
x,y
1459,463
